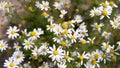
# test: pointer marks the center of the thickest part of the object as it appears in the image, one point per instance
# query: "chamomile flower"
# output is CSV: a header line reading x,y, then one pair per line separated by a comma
x,y
10,63
106,5
92,64
28,44
78,18
18,56
96,55
112,51
106,46
57,5
83,41
57,29
35,33
45,65
82,57
43,6
73,37
97,26
35,52
115,23
63,12
3,45
61,65
50,27
57,39
105,13
50,19
95,12
56,54
12,32
105,57
16,46
112,4
43,49
106,34
67,57
91,40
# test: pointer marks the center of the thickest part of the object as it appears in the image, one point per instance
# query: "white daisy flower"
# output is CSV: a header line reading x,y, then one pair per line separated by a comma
x,y
57,5
50,27
106,34
12,32
56,54
43,50
115,23
105,13
16,46
18,56
43,6
28,44
78,18
10,63
3,45
35,52
95,12
106,46
63,12
82,57
97,26
61,65
67,57
112,4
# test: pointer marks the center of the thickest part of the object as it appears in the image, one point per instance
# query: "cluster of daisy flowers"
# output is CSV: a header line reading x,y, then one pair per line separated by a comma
x,y
6,9
66,36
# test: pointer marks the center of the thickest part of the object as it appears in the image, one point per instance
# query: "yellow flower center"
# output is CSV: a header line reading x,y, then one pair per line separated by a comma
x,y
12,32
6,14
107,46
7,6
1,45
67,6
66,57
95,12
44,5
28,43
1,5
44,14
104,56
96,56
112,51
105,5
112,3
69,22
93,62
55,52
12,64
97,26
33,33
51,26
83,42
64,25
63,43
65,32
72,37
81,57
115,24
104,12
58,0
18,56
44,66
30,8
